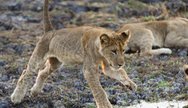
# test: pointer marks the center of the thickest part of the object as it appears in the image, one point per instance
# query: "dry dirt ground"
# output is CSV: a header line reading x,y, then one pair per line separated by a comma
x,y
158,78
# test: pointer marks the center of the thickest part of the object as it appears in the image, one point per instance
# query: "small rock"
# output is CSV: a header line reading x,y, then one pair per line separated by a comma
x,y
58,104
163,57
76,8
37,6
4,78
33,20
57,21
5,26
41,105
78,85
109,25
121,103
2,62
174,6
182,53
113,100
151,1
112,91
47,88
15,6
18,49
4,104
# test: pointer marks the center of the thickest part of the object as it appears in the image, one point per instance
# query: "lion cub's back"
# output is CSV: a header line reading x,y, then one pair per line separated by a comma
x,y
66,45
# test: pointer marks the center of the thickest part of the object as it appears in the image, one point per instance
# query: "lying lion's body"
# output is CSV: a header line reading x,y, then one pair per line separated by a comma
x,y
167,33
86,45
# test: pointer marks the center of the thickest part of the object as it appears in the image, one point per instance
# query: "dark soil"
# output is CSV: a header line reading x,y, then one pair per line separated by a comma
x,y
158,78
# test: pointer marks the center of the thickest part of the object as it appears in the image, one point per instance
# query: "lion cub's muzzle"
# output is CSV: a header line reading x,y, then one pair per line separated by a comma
x,y
118,66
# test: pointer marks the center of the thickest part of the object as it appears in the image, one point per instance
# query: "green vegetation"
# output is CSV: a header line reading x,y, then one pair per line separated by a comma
x,y
164,84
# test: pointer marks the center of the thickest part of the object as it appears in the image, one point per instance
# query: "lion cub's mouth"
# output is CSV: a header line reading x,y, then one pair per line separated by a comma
x,y
103,67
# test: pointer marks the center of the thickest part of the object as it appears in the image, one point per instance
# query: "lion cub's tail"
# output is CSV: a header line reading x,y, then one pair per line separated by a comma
x,y
47,24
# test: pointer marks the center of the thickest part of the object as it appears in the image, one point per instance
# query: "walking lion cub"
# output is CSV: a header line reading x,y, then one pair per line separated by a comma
x,y
87,45
167,33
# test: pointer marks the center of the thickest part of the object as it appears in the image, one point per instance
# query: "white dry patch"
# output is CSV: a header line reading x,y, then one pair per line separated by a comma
x,y
163,104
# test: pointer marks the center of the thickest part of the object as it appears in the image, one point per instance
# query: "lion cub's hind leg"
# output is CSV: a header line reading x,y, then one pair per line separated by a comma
x,y
51,65
36,61
26,78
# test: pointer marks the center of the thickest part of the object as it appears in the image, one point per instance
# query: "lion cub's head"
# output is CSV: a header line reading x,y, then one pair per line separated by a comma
x,y
112,48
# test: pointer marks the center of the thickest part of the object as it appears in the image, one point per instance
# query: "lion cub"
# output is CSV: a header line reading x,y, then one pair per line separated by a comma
x,y
87,45
167,33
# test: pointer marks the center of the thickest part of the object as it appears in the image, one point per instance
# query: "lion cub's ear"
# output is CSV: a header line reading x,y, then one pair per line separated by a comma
x,y
124,36
104,39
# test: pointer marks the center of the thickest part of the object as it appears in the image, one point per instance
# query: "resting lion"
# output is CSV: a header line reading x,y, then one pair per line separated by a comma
x,y
162,34
90,46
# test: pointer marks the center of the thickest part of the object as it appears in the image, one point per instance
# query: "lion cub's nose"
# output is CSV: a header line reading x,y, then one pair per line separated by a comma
x,y
120,65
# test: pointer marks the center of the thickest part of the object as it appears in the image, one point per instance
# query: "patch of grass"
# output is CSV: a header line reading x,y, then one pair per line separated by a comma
x,y
134,4
149,18
182,96
155,74
90,105
163,84
185,89
185,106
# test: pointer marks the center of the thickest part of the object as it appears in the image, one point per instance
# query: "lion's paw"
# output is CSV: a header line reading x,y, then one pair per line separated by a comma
x,y
35,90
17,96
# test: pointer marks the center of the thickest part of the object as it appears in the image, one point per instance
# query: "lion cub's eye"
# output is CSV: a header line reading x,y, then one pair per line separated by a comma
x,y
123,51
114,51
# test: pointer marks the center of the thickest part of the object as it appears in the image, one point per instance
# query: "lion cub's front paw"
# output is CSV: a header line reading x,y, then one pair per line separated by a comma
x,y
133,86
105,106
17,96
130,85
35,90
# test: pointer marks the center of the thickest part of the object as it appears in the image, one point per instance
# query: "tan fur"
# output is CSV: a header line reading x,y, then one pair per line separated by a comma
x,y
84,45
47,24
167,33
185,67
